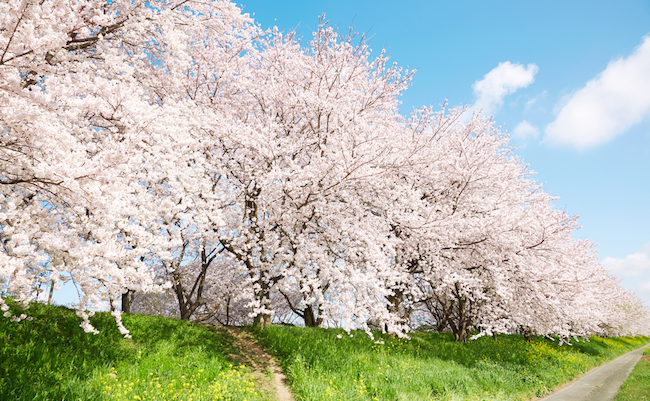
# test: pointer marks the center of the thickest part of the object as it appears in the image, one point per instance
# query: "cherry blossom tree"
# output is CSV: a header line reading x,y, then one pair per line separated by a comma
x,y
174,146
56,171
481,245
79,107
313,124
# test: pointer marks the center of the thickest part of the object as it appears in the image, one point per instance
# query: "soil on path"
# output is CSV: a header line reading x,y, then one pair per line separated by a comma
x,y
261,362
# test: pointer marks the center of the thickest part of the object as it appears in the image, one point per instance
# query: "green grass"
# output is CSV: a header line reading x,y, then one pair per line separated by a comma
x,y
637,385
321,366
51,358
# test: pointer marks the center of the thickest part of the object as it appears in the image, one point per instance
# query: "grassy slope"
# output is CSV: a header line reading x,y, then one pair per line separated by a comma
x,y
431,366
51,358
637,385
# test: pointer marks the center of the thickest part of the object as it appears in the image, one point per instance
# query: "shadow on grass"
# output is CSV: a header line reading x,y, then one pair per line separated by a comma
x,y
152,330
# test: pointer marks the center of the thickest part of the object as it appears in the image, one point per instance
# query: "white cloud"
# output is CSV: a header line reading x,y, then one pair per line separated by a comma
x,y
634,272
525,131
531,102
503,80
634,265
608,105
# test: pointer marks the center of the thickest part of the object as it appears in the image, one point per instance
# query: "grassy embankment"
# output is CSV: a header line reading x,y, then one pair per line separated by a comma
x,y
51,358
637,385
322,366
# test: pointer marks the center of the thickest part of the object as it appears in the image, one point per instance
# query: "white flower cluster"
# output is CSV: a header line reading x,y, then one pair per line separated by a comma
x,y
182,149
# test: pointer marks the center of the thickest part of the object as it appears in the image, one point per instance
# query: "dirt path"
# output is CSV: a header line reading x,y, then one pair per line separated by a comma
x,y
261,363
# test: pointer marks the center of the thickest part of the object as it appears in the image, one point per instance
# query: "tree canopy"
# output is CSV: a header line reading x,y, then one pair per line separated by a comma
x,y
175,147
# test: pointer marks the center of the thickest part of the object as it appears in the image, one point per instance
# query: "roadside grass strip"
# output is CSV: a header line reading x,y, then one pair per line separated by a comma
x,y
51,358
637,385
328,364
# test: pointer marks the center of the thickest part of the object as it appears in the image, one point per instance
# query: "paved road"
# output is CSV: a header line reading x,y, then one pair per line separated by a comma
x,y
601,384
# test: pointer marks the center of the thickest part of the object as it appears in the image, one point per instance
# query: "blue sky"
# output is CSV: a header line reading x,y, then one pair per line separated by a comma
x,y
595,156
574,71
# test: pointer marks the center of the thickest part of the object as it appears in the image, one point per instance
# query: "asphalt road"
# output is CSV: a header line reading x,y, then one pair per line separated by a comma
x,y
601,384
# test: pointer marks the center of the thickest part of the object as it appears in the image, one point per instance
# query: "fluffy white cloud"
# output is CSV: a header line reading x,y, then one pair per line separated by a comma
x,y
634,265
503,80
634,271
525,131
617,99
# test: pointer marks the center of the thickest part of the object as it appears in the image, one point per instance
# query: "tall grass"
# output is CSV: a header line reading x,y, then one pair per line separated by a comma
x,y
51,358
430,366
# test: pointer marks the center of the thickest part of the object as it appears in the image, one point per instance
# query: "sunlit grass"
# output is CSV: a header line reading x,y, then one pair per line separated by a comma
x,y
231,384
637,385
51,358
322,366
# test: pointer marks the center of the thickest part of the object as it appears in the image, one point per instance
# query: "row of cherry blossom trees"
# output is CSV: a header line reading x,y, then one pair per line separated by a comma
x,y
175,149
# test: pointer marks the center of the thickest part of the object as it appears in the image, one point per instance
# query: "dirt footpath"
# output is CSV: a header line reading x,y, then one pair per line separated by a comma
x,y
261,363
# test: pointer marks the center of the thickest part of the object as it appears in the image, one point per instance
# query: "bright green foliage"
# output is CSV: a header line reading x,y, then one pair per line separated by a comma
x,y
51,358
637,385
430,365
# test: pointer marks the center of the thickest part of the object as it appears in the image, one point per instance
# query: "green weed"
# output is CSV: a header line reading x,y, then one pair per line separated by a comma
x,y
430,366
637,385
51,358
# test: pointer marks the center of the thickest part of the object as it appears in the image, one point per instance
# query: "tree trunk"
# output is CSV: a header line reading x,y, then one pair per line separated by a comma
x,y
457,314
262,320
190,300
310,318
126,301
49,297
394,306
228,312
461,336
461,330
263,294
